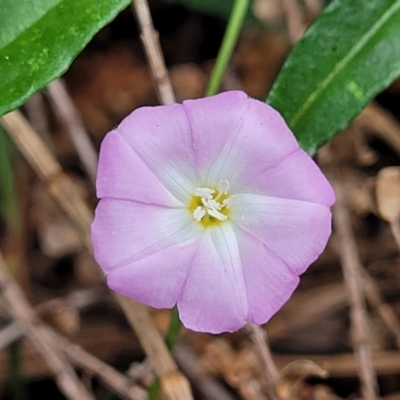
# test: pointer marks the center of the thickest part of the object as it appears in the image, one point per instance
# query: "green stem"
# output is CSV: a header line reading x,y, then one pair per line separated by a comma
x,y
173,330
170,339
18,388
232,32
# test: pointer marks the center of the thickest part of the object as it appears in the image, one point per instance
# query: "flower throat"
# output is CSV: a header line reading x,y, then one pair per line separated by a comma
x,y
210,206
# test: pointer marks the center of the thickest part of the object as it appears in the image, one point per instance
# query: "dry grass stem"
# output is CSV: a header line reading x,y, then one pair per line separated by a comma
x,y
386,313
382,123
153,51
314,6
207,385
174,384
24,317
49,171
353,280
74,125
387,194
262,347
346,365
8,335
36,111
114,380
294,20
111,378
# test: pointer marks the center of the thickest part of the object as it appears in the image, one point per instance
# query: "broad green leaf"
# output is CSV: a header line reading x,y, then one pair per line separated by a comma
x,y
350,53
39,40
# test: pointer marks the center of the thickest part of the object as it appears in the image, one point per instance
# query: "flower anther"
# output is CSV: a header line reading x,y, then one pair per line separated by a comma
x,y
209,205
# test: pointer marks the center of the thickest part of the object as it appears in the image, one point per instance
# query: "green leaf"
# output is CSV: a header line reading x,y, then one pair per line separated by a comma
x,y
39,40
350,54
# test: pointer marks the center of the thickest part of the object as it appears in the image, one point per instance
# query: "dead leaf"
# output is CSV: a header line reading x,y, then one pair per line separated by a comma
x,y
388,193
294,374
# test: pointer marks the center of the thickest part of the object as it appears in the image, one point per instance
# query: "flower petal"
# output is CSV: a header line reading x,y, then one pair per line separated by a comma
x,y
161,138
295,176
269,281
214,121
122,174
233,133
156,280
213,298
295,231
124,231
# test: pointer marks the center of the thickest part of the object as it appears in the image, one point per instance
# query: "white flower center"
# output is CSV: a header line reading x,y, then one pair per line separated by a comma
x,y
212,202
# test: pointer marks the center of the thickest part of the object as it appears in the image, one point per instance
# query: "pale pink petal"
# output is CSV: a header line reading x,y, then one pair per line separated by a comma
x,y
125,231
155,280
161,137
269,281
214,122
295,231
243,269
214,295
295,176
122,174
233,134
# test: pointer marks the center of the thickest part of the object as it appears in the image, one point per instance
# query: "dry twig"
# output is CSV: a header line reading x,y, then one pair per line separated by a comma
x,y
24,317
382,123
352,276
8,335
50,172
175,385
384,310
114,380
209,387
263,351
294,19
74,125
153,51
345,365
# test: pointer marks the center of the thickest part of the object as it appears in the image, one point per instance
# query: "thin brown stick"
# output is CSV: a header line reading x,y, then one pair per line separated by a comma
x,y
345,364
114,380
153,51
314,6
294,18
386,313
69,116
262,347
36,112
50,172
382,123
351,266
9,334
207,385
24,317
395,228
174,384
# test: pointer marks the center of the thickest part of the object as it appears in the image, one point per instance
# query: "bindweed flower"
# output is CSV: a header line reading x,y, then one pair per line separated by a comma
x,y
210,205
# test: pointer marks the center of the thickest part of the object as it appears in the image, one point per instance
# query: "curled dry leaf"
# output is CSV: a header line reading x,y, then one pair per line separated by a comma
x,y
291,377
388,193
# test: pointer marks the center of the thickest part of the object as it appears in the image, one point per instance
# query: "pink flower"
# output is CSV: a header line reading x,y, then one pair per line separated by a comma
x,y
210,205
